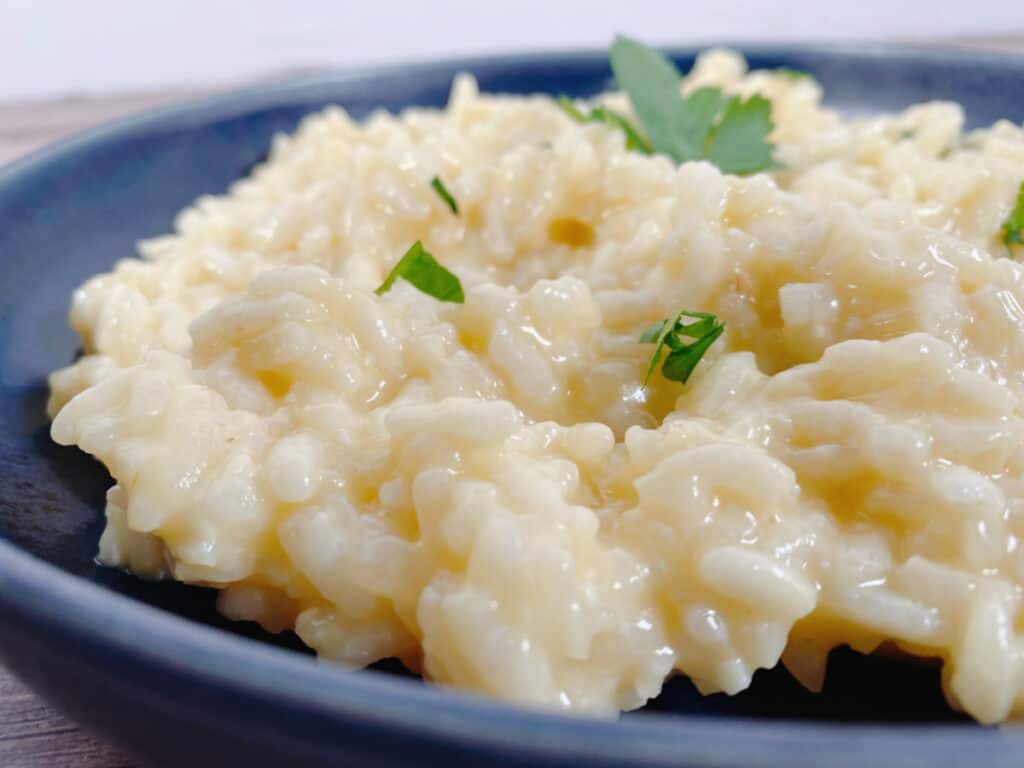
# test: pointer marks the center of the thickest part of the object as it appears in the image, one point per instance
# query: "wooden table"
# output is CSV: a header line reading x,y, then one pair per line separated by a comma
x,y
32,734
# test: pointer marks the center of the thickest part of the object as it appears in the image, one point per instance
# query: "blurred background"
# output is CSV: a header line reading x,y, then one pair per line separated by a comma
x,y
52,48
70,64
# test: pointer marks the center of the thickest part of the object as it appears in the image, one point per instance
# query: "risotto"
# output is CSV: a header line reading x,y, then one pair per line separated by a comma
x,y
488,491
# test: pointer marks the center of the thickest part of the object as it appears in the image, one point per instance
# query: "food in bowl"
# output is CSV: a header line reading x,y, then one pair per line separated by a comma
x,y
552,399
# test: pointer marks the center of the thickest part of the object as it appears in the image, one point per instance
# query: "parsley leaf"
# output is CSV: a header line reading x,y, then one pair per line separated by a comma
x,y
634,139
675,127
444,194
736,144
682,357
657,334
792,74
706,125
1013,227
422,270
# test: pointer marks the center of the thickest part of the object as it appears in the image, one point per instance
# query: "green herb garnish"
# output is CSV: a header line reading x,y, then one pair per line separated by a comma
x,y
422,270
1013,227
706,125
634,139
683,356
793,74
736,143
444,194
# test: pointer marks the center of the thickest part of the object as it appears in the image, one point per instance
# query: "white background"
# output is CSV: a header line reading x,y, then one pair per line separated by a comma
x,y
58,47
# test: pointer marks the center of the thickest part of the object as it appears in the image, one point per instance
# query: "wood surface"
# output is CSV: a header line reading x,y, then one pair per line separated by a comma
x,y
32,733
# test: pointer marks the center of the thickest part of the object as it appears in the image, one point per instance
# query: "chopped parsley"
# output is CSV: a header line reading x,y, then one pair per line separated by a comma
x,y
1013,227
793,74
422,270
444,194
682,356
634,139
706,125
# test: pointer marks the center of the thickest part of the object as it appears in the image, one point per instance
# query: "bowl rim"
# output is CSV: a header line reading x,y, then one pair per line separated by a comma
x,y
48,597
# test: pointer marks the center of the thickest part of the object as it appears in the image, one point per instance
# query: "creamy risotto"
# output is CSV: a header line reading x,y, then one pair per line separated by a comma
x,y
486,490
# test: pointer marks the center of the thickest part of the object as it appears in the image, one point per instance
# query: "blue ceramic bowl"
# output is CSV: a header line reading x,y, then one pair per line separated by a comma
x,y
152,665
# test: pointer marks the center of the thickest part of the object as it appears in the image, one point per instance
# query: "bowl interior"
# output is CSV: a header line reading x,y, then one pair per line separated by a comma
x,y
71,212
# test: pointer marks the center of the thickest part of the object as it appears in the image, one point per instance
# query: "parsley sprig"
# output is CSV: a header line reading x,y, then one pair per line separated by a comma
x,y
421,269
444,194
683,356
706,125
1013,227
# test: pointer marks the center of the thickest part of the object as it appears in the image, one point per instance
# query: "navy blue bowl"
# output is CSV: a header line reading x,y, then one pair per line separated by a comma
x,y
153,667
